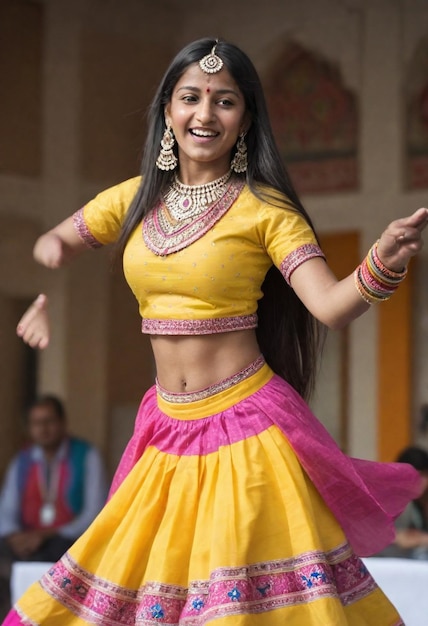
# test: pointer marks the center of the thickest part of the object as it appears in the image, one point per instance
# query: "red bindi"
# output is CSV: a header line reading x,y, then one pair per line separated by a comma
x,y
208,89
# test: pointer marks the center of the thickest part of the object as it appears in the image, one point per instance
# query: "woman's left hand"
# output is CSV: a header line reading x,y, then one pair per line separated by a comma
x,y
33,327
401,240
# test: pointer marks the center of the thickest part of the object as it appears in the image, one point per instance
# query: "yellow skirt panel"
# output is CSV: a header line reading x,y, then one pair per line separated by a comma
x,y
210,524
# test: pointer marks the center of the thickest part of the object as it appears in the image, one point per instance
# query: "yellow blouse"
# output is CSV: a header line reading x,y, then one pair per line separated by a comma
x,y
204,277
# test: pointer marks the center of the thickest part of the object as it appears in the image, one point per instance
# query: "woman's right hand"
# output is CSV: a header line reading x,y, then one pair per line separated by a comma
x,y
52,251
59,245
33,327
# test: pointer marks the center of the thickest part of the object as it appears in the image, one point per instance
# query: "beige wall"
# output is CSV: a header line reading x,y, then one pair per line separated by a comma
x,y
95,65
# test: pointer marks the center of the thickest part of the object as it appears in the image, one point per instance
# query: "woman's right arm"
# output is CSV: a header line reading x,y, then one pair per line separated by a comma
x,y
100,225
59,245
54,249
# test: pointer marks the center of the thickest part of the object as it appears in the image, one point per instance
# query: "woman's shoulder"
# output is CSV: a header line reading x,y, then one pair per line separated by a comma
x,y
122,192
265,199
100,220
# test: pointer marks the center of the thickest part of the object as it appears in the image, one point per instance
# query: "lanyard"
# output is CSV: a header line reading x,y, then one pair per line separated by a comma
x,y
48,475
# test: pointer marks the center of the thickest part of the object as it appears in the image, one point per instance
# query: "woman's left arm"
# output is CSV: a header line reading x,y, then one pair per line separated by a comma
x,y
337,302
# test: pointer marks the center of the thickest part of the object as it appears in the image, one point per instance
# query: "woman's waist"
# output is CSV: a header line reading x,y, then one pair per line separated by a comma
x,y
188,364
216,397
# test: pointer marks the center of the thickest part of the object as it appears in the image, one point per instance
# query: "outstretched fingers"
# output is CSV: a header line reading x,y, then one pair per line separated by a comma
x,y
420,218
410,228
402,239
33,327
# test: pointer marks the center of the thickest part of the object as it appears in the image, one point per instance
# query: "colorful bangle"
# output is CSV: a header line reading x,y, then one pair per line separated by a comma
x,y
363,293
385,273
374,281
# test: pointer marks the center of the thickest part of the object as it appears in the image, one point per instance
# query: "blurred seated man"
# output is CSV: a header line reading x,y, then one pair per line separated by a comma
x,y
411,540
52,491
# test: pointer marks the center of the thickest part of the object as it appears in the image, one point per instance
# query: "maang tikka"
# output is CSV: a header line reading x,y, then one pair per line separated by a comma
x,y
167,159
239,162
211,63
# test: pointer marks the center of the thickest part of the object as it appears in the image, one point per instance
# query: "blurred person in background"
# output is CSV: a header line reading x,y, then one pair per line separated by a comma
x,y
412,525
53,490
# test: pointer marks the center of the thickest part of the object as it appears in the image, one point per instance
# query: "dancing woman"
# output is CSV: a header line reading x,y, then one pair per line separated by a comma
x,y
231,503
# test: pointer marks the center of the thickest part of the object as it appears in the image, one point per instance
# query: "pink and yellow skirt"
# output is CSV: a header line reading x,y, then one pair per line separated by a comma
x,y
230,506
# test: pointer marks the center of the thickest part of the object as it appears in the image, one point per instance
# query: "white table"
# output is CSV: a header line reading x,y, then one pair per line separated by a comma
x,y
24,574
405,582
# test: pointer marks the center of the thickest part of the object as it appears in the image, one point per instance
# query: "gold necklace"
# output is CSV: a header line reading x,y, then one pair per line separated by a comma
x,y
188,201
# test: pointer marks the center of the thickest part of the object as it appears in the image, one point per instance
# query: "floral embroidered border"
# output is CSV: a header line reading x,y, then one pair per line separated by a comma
x,y
297,257
83,231
229,591
198,327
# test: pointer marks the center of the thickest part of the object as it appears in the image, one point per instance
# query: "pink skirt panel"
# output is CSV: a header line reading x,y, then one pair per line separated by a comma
x,y
364,496
13,619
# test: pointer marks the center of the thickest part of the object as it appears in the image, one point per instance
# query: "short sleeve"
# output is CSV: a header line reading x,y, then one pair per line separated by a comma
x,y
99,222
287,237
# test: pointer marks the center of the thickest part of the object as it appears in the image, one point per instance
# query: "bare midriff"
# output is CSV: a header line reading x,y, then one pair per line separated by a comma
x,y
191,363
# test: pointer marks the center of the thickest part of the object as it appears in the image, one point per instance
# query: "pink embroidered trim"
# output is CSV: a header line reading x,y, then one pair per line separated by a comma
x,y
198,327
297,257
163,237
227,383
229,591
83,231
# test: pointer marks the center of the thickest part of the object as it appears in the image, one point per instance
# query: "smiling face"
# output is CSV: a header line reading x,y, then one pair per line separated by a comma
x,y
207,114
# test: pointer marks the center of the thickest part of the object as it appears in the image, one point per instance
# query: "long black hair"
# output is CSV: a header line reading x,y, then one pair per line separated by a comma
x,y
288,335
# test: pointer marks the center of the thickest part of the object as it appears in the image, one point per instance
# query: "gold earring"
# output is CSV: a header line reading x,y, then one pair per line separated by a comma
x,y
239,162
167,159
